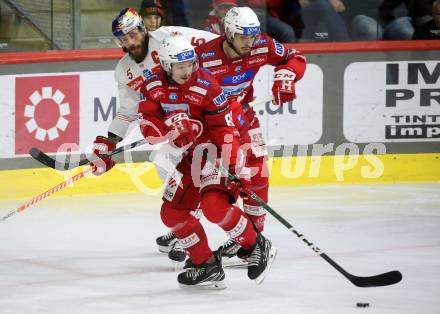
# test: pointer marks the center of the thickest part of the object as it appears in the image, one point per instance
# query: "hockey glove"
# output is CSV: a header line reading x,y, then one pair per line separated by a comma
x,y
180,130
102,145
236,187
283,88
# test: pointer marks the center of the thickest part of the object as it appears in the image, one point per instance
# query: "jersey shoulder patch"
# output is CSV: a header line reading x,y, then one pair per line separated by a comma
x,y
279,48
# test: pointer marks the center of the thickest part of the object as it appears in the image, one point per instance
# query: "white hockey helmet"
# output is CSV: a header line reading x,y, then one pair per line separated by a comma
x,y
241,20
175,49
126,21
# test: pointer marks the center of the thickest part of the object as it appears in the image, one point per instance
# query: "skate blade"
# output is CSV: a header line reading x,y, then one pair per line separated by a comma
x,y
272,254
205,286
178,266
234,262
164,249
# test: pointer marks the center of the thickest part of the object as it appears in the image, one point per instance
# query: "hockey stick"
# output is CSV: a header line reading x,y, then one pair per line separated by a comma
x,y
48,193
385,279
67,165
50,162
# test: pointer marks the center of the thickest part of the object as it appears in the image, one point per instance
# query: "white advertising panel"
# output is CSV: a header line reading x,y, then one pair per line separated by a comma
x,y
392,101
48,110
296,123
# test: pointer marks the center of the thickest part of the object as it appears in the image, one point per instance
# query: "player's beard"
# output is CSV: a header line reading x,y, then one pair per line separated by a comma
x,y
139,52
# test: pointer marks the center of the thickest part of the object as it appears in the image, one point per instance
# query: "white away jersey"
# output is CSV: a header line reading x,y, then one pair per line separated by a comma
x,y
130,75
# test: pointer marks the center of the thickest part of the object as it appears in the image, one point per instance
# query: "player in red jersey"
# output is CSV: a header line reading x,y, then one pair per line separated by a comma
x,y
187,106
234,59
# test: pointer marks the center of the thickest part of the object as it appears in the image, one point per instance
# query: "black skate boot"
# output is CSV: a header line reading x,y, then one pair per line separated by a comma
x,y
165,242
177,255
204,277
188,264
229,255
260,258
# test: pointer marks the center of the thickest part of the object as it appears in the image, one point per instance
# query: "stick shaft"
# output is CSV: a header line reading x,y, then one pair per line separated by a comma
x,y
47,193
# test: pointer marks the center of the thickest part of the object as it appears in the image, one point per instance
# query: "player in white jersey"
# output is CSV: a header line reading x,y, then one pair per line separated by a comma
x,y
141,59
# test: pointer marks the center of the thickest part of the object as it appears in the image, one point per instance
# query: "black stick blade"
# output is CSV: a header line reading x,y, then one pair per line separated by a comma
x,y
385,279
53,163
42,157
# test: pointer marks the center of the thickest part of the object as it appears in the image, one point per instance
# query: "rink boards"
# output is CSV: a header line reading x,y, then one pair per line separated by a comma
x,y
143,178
376,103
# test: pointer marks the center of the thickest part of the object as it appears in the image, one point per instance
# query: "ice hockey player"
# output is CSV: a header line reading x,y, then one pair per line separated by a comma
x,y
139,61
234,59
188,104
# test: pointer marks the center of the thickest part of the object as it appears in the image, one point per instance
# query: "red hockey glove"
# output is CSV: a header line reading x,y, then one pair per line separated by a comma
x,y
180,128
102,145
233,186
152,125
236,187
283,88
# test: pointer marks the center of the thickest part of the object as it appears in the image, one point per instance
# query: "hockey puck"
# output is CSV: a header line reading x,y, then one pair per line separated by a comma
x,y
362,304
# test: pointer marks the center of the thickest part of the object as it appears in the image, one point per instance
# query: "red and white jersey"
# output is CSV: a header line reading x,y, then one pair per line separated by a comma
x,y
236,75
202,99
130,75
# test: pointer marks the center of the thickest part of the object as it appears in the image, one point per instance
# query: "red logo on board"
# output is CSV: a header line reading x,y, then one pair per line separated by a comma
x,y
46,112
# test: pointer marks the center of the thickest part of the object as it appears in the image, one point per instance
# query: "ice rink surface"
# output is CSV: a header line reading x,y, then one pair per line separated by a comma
x,y
87,255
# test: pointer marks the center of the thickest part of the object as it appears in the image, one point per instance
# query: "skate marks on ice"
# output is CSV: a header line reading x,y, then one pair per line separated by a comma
x,y
94,255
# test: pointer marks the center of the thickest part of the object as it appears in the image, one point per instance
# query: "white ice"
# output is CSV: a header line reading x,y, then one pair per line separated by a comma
x,y
97,254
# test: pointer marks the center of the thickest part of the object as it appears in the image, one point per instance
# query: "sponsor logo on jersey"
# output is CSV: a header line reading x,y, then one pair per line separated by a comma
x,y
158,93
204,82
235,90
253,30
219,70
198,90
136,83
261,41
253,61
189,241
194,99
220,99
186,55
279,48
147,73
208,54
173,107
237,68
212,63
172,96
259,51
238,229
47,113
153,84
239,78
171,188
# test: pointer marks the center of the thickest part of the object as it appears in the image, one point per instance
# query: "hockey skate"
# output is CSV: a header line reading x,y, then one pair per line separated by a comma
x,y
165,242
177,255
260,258
229,255
203,277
